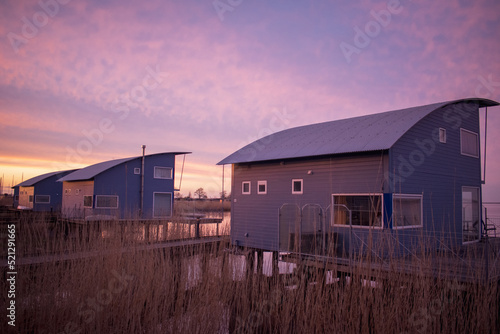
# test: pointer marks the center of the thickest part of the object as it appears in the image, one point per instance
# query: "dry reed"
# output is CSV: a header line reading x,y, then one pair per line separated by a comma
x,y
205,289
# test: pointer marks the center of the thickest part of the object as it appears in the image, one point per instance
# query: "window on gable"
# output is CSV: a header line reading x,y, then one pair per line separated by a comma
x,y
442,135
469,144
163,172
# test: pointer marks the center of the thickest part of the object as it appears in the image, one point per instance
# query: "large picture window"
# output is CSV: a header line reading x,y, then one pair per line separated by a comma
x,y
106,202
469,144
42,199
363,210
406,211
163,172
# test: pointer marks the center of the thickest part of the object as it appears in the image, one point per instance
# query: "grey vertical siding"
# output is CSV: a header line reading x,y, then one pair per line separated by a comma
x,y
255,217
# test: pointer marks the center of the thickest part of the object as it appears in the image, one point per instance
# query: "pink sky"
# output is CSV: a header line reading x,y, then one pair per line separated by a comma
x,y
182,76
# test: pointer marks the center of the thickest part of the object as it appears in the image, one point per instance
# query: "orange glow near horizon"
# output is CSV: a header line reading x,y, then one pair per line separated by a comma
x,y
96,81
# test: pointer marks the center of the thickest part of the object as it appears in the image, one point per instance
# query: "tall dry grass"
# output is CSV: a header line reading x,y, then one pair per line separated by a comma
x,y
206,289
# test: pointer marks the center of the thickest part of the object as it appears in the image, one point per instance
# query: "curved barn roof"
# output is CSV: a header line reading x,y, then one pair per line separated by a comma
x,y
91,171
358,134
34,180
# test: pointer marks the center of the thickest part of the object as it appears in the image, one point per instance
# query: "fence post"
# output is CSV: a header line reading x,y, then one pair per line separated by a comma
x,y
197,228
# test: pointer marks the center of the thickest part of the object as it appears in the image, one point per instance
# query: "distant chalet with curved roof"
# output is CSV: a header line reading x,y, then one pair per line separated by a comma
x,y
128,188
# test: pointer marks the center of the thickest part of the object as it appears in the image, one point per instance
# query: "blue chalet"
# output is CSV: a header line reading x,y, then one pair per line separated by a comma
x,y
139,187
40,193
345,186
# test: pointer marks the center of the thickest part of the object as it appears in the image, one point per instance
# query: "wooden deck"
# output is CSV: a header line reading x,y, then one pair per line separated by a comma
x,y
475,263
62,257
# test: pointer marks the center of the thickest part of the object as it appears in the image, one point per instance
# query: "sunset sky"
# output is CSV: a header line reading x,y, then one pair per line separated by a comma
x,y
86,81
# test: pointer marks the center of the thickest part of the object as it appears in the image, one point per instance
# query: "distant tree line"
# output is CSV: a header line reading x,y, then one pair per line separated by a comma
x,y
200,194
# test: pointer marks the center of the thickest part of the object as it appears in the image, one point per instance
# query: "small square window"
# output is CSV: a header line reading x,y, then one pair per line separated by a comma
x,y
297,186
442,135
262,187
245,188
137,171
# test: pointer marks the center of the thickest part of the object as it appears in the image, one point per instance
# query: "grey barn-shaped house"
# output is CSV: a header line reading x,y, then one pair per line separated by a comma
x,y
337,187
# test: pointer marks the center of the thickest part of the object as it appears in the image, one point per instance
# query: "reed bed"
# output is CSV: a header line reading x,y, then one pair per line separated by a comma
x,y
209,289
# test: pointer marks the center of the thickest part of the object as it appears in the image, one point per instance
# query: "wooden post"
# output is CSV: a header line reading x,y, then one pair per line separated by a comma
x,y
146,231
122,230
197,229
165,230
260,262
275,268
250,262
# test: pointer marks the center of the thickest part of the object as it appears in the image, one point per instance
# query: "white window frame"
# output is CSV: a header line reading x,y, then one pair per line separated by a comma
x,y
171,204
137,171
294,192
479,215
106,207
260,183
162,167
37,200
91,201
360,226
408,196
442,135
461,142
243,188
